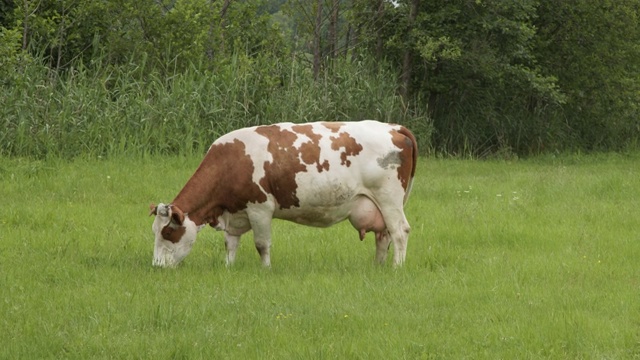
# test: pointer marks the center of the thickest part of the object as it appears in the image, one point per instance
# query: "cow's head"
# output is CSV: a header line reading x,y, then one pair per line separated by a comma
x,y
175,235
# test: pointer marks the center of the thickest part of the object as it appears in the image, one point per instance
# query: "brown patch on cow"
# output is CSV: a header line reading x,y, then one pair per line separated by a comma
x,y
350,145
333,126
223,181
406,142
280,174
310,151
173,234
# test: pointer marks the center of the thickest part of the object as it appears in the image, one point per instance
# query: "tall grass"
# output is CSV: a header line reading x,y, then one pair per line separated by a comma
x,y
106,110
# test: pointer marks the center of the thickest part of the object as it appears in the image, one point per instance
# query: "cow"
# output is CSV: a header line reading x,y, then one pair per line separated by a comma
x,y
314,174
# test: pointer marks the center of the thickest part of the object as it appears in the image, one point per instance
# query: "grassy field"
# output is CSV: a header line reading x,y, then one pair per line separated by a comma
x,y
534,258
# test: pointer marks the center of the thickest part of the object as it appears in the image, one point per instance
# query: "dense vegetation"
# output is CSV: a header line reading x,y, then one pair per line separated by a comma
x,y
472,77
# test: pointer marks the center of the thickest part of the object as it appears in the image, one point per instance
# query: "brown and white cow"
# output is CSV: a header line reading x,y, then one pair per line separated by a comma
x,y
315,174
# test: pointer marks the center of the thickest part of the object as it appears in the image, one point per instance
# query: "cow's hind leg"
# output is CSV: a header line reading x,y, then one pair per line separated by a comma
x,y
382,246
397,233
400,239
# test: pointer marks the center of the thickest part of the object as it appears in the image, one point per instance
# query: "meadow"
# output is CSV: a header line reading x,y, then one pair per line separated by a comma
x,y
530,258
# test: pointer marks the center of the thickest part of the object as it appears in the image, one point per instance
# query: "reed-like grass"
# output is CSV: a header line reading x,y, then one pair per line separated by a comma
x,y
107,111
526,259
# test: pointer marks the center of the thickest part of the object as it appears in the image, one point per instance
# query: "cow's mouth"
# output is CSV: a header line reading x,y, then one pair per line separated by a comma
x,y
166,260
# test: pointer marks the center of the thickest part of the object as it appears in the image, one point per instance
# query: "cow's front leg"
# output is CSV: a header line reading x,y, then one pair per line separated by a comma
x,y
231,243
263,245
260,217
261,225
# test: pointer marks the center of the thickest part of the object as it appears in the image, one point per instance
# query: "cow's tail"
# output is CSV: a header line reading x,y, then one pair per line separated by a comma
x,y
414,159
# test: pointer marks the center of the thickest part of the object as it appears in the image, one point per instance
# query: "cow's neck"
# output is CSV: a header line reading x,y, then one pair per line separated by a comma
x,y
198,199
201,213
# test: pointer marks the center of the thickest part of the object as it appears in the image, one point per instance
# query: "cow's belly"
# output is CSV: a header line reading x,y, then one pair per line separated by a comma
x,y
319,216
323,203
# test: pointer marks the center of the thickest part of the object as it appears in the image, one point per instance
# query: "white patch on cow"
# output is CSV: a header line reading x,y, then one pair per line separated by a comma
x,y
301,139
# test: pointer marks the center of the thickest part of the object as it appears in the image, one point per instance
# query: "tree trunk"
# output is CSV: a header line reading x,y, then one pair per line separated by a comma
x,y
378,22
316,41
407,59
223,22
346,42
213,25
61,33
210,35
333,29
25,25
351,42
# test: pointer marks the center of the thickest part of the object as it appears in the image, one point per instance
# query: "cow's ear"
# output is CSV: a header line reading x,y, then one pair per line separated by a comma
x,y
153,209
177,215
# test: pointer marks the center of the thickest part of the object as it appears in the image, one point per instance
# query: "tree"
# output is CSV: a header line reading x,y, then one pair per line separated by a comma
x,y
163,34
593,48
471,62
12,57
63,30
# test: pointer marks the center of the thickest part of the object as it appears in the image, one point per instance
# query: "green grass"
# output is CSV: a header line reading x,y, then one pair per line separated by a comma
x,y
527,259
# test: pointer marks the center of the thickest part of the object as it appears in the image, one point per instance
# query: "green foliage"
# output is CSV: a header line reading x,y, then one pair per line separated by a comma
x,y
6,11
478,73
61,31
433,50
592,47
169,35
514,76
12,58
475,77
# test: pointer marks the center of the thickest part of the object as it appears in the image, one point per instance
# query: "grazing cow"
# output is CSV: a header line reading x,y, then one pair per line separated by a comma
x,y
315,174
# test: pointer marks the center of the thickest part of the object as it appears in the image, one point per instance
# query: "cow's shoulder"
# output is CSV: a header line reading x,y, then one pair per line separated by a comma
x,y
226,175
